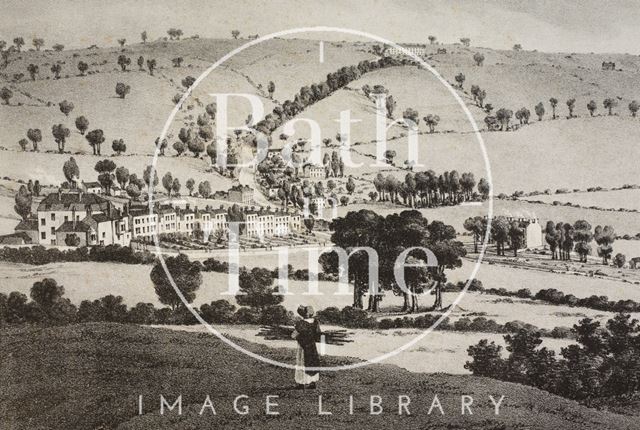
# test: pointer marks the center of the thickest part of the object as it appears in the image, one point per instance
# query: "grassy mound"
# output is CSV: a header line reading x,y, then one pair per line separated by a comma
x,y
90,376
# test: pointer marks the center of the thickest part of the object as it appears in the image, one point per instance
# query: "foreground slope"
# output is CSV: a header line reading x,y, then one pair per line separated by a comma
x,y
87,376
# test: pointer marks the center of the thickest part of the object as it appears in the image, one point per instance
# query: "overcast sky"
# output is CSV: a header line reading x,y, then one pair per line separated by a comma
x,y
546,25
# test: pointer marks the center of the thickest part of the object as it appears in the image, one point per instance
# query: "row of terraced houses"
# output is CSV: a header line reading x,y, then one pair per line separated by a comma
x,y
65,215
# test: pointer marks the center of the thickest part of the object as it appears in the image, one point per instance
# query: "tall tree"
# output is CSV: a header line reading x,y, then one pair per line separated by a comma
x,y
6,94
190,185
123,62
122,89
23,201
82,67
167,182
71,172
516,236
33,71
432,122
582,236
146,175
186,277
539,111
633,108
106,177
604,237
95,139
119,146
122,176
38,43
82,124
609,104
571,104
35,136
553,102
552,238
56,69
271,88
60,135
18,42
592,107
66,107
151,65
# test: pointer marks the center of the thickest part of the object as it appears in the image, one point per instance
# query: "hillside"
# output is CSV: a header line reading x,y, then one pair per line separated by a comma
x,y
101,389
531,158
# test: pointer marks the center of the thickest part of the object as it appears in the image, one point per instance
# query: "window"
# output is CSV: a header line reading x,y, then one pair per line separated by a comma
x,y
53,216
43,235
43,221
53,231
103,234
66,218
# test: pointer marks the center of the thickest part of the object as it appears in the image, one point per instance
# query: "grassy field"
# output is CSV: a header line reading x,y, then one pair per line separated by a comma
x,y
623,222
62,378
533,158
614,199
133,284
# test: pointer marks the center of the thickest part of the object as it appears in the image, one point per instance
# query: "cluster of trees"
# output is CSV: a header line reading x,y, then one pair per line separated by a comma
x,y
39,255
428,189
48,306
502,118
315,92
605,361
60,132
256,295
389,236
109,174
566,237
504,231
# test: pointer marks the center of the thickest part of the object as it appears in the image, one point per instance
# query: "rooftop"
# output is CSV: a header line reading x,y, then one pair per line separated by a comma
x,y
71,200
27,225
70,226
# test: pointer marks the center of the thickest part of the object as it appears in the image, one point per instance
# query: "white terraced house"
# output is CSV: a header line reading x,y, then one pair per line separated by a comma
x,y
95,221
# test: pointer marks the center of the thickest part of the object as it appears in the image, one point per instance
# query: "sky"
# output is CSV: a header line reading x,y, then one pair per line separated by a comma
x,y
545,25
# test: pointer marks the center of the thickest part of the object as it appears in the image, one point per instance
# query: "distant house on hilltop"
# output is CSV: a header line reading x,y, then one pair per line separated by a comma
x,y
608,65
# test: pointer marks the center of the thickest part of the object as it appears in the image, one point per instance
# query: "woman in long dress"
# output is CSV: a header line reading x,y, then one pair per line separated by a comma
x,y
307,333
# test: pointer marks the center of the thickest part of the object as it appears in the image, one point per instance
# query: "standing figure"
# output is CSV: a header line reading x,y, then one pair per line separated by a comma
x,y
307,333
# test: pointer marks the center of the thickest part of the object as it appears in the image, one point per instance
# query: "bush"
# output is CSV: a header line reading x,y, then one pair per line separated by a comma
x,y
38,255
356,318
562,333
486,359
218,312
330,315
142,313
247,316
276,315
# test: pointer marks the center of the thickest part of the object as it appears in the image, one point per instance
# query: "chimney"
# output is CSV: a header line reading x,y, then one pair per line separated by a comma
x,y
73,217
